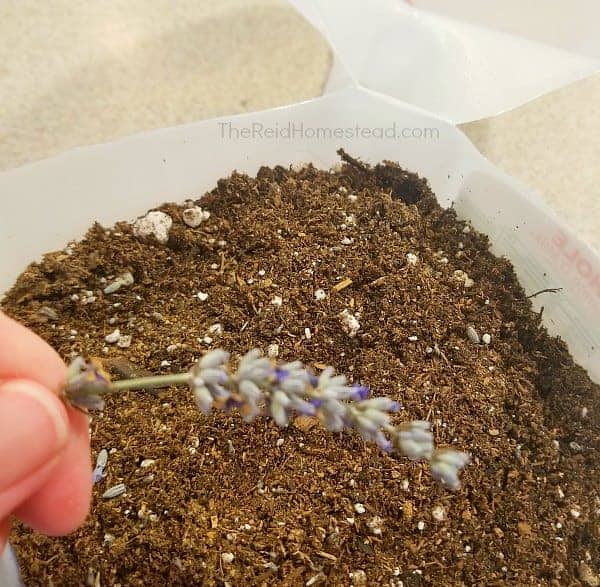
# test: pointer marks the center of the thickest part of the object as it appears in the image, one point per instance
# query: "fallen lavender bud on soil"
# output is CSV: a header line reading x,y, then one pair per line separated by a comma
x,y
281,390
98,472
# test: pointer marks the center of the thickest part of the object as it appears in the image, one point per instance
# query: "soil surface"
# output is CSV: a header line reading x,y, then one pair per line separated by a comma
x,y
213,501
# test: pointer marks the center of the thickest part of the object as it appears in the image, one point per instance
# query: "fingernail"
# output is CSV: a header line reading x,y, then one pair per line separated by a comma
x,y
34,426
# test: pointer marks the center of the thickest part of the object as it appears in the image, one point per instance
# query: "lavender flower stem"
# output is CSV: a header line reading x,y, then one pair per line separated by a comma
x,y
149,382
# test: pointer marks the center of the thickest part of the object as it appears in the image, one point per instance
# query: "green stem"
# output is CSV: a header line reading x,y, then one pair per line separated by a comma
x,y
149,382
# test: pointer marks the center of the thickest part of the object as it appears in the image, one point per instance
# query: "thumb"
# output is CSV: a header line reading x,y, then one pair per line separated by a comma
x,y
34,427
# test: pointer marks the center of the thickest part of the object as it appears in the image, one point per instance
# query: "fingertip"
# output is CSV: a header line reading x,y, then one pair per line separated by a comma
x,y
28,356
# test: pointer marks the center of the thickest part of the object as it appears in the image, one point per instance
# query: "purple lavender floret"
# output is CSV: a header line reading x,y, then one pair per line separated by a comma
x,y
280,374
290,393
97,475
361,392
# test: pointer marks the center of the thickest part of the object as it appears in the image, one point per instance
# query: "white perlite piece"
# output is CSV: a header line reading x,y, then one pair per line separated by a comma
x,y
472,335
374,524
227,557
202,296
277,301
195,216
349,322
359,578
156,224
486,338
273,351
439,513
88,297
464,277
216,329
411,259
359,508
121,281
113,336
124,341
320,294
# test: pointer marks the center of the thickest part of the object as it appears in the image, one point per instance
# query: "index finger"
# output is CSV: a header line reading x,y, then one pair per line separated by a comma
x,y
24,355
61,504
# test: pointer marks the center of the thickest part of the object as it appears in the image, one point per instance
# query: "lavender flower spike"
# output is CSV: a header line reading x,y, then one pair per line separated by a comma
x,y
260,385
445,465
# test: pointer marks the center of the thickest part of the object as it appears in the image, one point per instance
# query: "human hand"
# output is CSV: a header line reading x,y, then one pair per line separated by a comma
x,y
45,468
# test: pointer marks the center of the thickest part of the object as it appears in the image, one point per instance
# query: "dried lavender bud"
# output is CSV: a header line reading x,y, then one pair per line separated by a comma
x,y
472,335
414,440
114,491
446,463
370,417
279,408
86,383
101,461
254,368
290,383
97,475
